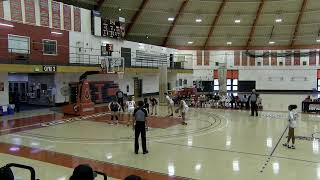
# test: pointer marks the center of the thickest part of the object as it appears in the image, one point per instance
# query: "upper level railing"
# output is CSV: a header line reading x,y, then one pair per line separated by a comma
x,y
41,53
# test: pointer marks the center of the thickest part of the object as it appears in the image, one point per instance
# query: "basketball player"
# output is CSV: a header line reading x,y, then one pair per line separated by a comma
x,y
154,104
170,104
130,107
183,108
114,107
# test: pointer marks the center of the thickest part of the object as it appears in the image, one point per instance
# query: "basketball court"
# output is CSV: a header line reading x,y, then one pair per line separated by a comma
x,y
220,144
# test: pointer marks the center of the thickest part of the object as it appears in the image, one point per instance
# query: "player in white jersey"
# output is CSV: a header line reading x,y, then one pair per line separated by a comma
x,y
183,108
130,104
170,104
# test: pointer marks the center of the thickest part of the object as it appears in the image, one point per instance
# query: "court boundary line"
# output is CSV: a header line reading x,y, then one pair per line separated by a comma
x,y
274,149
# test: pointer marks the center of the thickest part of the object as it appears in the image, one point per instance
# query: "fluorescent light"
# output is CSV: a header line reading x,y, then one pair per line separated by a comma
x,y
272,42
171,19
190,42
53,32
237,21
229,43
120,9
278,20
318,40
198,20
7,25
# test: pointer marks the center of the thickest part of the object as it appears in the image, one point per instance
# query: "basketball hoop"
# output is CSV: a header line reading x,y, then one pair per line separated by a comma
x,y
112,64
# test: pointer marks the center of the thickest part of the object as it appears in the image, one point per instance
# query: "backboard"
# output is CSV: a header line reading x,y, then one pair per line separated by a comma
x,y
112,65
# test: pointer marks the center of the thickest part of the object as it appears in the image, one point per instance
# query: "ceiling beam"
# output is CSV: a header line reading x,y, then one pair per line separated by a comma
x,y
182,6
99,5
253,27
301,12
244,48
214,23
136,17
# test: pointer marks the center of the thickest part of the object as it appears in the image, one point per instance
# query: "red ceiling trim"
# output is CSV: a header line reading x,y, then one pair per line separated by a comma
x,y
246,48
135,17
182,6
214,23
99,5
253,28
301,12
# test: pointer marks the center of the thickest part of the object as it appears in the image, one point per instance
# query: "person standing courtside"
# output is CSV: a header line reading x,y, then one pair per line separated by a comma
x,y
253,102
139,126
120,96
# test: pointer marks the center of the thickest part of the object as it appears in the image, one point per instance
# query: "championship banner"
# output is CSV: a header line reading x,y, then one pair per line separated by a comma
x,y
67,17
1,9
236,58
266,59
44,12
244,59
297,58
29,11
56,23
77,19
288,59
15,8
313,58
274,59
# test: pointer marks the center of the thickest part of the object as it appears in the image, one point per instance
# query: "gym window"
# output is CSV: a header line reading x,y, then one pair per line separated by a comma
x,y
216,85
232,84
49,47
18,44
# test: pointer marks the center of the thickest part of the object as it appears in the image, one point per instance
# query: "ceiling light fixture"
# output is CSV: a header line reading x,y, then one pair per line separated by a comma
x,y
190,42
278,20
54,32
7,25
229,43
198,20
237,21
272,42
171,19
120,9
318,40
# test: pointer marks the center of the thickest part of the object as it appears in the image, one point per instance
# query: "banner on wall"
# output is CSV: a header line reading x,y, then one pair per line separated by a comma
x,y
1,9
266,59
288,59
15,8
67,17
30,11
77,19
44,12
56,23
274,59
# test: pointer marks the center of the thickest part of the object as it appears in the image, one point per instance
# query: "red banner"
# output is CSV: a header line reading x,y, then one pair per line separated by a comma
x,y
29,11
297,58
252,60
77,19
289,58
236,58
266,59
313,58
67,17
206,58
244,59
199,58
1,9
15,8
274,59
44,12
56,23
